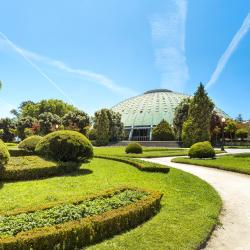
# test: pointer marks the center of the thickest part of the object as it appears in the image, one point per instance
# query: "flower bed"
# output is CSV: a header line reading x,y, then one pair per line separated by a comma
x,y
83,222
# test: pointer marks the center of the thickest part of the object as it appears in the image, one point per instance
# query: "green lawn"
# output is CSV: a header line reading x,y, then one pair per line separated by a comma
x,y
148,152
235,163
190,207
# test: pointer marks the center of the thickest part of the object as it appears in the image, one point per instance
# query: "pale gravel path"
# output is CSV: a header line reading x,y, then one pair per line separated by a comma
x,y
234,189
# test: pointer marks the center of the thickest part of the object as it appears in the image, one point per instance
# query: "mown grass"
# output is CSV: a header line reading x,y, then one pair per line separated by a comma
x,y
236,163
190,207
148,152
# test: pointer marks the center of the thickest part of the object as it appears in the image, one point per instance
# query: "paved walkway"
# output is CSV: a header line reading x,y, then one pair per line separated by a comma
x,y
234,189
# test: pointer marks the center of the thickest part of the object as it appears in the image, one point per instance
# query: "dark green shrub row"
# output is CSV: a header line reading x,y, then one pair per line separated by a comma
x,y
16,152
141,165
242,155
38,173
201,150
86,231
134,148
29,144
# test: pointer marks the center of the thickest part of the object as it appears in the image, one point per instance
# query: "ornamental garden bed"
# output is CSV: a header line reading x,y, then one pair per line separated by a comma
x,y
34,167
80,223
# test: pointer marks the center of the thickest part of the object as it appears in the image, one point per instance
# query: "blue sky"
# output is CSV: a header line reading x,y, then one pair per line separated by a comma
x,y
95,53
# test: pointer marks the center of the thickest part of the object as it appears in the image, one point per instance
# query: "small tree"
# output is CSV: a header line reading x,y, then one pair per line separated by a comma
x,y
231,128
163,132
241,134
102,128
180,116
197,126
48,122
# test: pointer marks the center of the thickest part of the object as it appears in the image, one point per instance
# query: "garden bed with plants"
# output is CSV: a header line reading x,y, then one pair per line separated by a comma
x,y
83,222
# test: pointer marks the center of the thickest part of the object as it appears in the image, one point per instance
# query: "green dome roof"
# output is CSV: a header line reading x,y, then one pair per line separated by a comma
x,y
151,107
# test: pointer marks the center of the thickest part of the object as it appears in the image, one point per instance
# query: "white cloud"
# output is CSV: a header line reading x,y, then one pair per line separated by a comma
x,y
169,34
230,50
100,79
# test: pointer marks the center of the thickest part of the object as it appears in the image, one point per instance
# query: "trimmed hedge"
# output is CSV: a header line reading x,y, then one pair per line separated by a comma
x,y
141,165
86,231
201,150
64,146
29,144
4,154
16,152
134,148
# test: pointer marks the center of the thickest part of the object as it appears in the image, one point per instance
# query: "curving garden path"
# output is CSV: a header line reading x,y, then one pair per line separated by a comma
x,y
234,189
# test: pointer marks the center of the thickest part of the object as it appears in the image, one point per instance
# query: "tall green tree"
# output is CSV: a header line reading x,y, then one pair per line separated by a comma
x,y
230,129
8,129
48,122
180,116
197,126
102,128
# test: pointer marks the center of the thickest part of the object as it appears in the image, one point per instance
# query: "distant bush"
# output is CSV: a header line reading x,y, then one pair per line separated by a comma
x,y
29,144
92,134
241,134
65,146
134,148
4,154
163,132
201,150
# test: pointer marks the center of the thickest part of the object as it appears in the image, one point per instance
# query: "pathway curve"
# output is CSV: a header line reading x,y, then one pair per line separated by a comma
x,y
234,189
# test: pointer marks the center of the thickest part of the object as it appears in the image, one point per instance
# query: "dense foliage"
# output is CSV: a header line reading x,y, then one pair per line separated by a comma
x,y
29,144
197,126
241,133
109,127
76,120
48,122
201,150
4,154
65,146
102,128
8,129
12,225
163,132
24,123
231,128
134,148
180,116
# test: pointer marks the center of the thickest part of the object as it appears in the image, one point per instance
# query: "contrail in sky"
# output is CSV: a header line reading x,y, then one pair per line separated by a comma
x,y
230,50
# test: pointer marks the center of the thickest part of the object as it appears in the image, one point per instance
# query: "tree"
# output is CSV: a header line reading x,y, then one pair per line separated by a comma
x,y
239,118
48,122
115,124
215,127
163,132
231,127
180,116
241,133
22,124
76,120
8,128
102,128
197,126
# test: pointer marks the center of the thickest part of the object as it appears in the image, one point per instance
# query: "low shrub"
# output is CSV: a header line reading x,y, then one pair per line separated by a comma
x,y
4,154
134,148
242,155
65,146
29,144
34,167
141,165
201,150
79,232
16,152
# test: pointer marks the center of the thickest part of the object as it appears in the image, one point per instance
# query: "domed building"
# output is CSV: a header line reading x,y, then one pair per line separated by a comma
x,y
141,113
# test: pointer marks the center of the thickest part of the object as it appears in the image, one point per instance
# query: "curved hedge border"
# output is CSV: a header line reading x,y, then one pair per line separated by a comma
x,y
37,173
86,231
141,165
15,152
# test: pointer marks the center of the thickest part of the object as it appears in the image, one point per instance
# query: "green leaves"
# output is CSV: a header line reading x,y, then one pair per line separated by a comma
x,y
12,225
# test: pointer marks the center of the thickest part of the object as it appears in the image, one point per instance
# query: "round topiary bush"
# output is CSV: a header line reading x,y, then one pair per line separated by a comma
x,y
201,150
29,144
65,146
4,154
134,148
